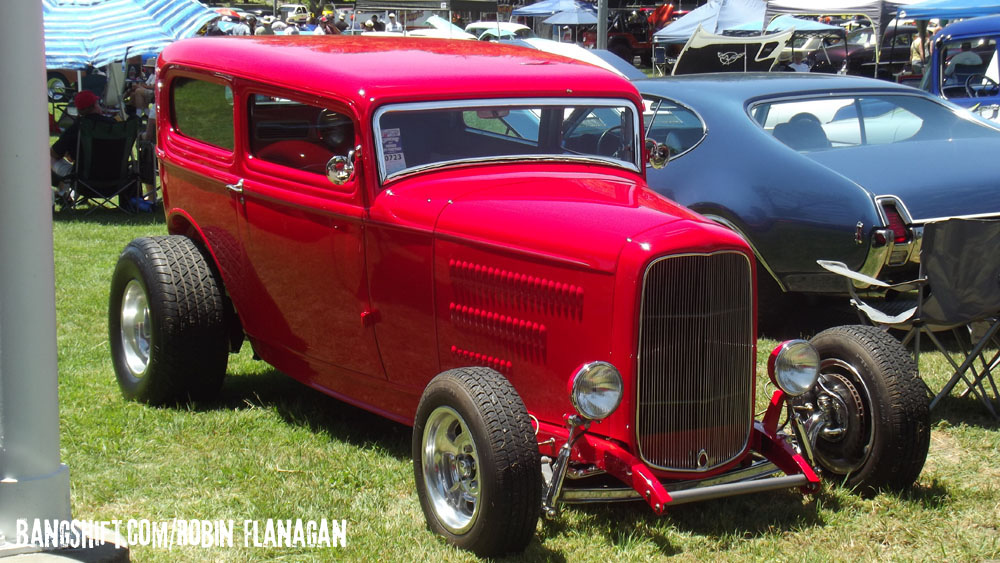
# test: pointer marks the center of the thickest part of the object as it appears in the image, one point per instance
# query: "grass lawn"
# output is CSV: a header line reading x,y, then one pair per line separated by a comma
x,y
272,448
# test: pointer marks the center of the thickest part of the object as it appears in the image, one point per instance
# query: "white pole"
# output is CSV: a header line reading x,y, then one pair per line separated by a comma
x,y
33,482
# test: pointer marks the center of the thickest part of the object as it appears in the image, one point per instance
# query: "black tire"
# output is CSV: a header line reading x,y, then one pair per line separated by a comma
x,y
495,480
57,87
621,49
169,300
882,406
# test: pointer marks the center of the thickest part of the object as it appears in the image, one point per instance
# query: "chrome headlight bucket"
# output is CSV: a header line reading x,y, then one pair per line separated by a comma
x,y
597,390
794,366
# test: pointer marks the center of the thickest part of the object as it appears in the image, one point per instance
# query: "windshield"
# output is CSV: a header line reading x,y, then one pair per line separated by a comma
x,y
846,121
424,135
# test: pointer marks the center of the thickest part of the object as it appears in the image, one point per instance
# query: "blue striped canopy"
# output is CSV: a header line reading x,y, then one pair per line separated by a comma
x,y
98,32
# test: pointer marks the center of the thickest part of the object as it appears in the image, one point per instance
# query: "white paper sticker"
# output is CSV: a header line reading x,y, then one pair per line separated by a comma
x,y
392,150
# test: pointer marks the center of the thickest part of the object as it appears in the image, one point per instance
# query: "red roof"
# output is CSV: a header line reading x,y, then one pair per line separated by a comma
x,y
376,70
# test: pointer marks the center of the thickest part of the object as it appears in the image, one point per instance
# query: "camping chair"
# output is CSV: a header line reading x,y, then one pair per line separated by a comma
x,y
957,290
103,169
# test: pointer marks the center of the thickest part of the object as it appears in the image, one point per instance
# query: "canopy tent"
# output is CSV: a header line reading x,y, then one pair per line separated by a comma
x,y
552,7
786,22
880,12
572,17
708,52
481,6
713,17
950,9
98,32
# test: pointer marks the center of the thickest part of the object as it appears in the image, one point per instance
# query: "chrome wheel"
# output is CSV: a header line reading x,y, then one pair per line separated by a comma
x,y
451,469
135,333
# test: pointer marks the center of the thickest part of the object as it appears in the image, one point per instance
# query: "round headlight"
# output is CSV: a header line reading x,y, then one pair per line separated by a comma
x,y
597,390
794,366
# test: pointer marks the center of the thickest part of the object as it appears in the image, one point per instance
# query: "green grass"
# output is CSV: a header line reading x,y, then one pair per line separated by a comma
x,y
272,448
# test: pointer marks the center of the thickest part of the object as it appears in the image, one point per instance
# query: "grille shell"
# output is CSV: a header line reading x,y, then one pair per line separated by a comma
x,y
695,361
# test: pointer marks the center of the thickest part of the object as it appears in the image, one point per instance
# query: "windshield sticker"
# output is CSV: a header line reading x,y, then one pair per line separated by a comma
x,y
393,151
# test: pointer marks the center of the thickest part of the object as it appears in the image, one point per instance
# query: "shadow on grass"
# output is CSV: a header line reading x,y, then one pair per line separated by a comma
x,y
305,407
737,518
105,216
806,316
968,410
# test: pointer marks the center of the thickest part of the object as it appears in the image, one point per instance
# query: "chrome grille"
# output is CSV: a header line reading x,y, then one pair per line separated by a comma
x,y
695,361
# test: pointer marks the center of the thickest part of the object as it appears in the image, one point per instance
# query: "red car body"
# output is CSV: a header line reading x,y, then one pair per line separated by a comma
x,y
367,290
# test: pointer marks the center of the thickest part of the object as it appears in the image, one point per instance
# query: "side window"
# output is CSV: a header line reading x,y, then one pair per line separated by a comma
x,y
204,111
672,124
298,135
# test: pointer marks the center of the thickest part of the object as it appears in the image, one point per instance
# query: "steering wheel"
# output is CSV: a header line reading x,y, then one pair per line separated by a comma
x,y
612,135
988,86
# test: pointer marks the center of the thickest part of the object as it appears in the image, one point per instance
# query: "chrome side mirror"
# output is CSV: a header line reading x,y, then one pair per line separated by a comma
x,y
340,168
657,154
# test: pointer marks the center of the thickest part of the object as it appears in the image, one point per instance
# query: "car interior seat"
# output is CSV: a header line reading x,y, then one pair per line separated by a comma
x,y
802,132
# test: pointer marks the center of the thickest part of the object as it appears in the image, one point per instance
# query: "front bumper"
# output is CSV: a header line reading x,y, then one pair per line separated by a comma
x,y
772,454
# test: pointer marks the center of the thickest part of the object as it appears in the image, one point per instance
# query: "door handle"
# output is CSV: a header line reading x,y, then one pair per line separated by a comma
x,y
236,188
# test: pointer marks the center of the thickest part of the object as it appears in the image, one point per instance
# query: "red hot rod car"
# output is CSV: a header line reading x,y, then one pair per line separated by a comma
x,y
481,259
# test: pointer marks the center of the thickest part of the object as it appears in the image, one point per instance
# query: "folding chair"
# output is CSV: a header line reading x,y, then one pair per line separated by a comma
x,y
957,290
104,169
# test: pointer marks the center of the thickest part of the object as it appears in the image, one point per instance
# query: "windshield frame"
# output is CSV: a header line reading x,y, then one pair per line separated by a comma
x,y
546,102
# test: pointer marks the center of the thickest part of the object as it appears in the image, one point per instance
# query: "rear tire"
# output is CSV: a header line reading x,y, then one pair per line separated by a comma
x,y
57,87
476,462
881,404
167,322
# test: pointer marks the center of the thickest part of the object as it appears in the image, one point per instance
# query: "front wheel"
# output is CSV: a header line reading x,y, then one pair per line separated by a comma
x,y
476,462
878,430
167,322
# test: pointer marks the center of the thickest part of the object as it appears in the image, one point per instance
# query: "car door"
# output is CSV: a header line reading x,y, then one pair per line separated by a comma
x,y
305,235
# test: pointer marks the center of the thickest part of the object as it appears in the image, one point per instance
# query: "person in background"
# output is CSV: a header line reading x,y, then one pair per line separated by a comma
x,y
342,22
369,26
393,25
63,151
797,64
964,57
376,24
241,28
142,92
326,27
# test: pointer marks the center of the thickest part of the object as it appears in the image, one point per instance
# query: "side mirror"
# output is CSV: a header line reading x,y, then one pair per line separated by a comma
x,y
340,168
657,154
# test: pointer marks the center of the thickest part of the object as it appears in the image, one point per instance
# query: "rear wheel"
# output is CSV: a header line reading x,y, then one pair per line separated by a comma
x,y
167,322
476,462
622,50
57,87
880,429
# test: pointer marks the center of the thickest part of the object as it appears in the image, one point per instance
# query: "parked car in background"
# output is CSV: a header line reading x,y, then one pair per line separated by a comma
x,y
495,31
483,260
858,57
810,166
974,84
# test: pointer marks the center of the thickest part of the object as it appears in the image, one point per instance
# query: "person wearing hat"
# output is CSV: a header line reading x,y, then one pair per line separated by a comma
x,y
142,92
369,26
342,22
393,25
326,27
88,106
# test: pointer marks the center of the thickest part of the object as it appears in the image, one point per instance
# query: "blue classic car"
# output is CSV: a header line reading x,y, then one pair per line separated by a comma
x,y
963,65
811,166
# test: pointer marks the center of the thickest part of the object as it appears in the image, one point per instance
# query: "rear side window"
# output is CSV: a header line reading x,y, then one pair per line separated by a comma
x,y
669,123
297,135
204,111
825,122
